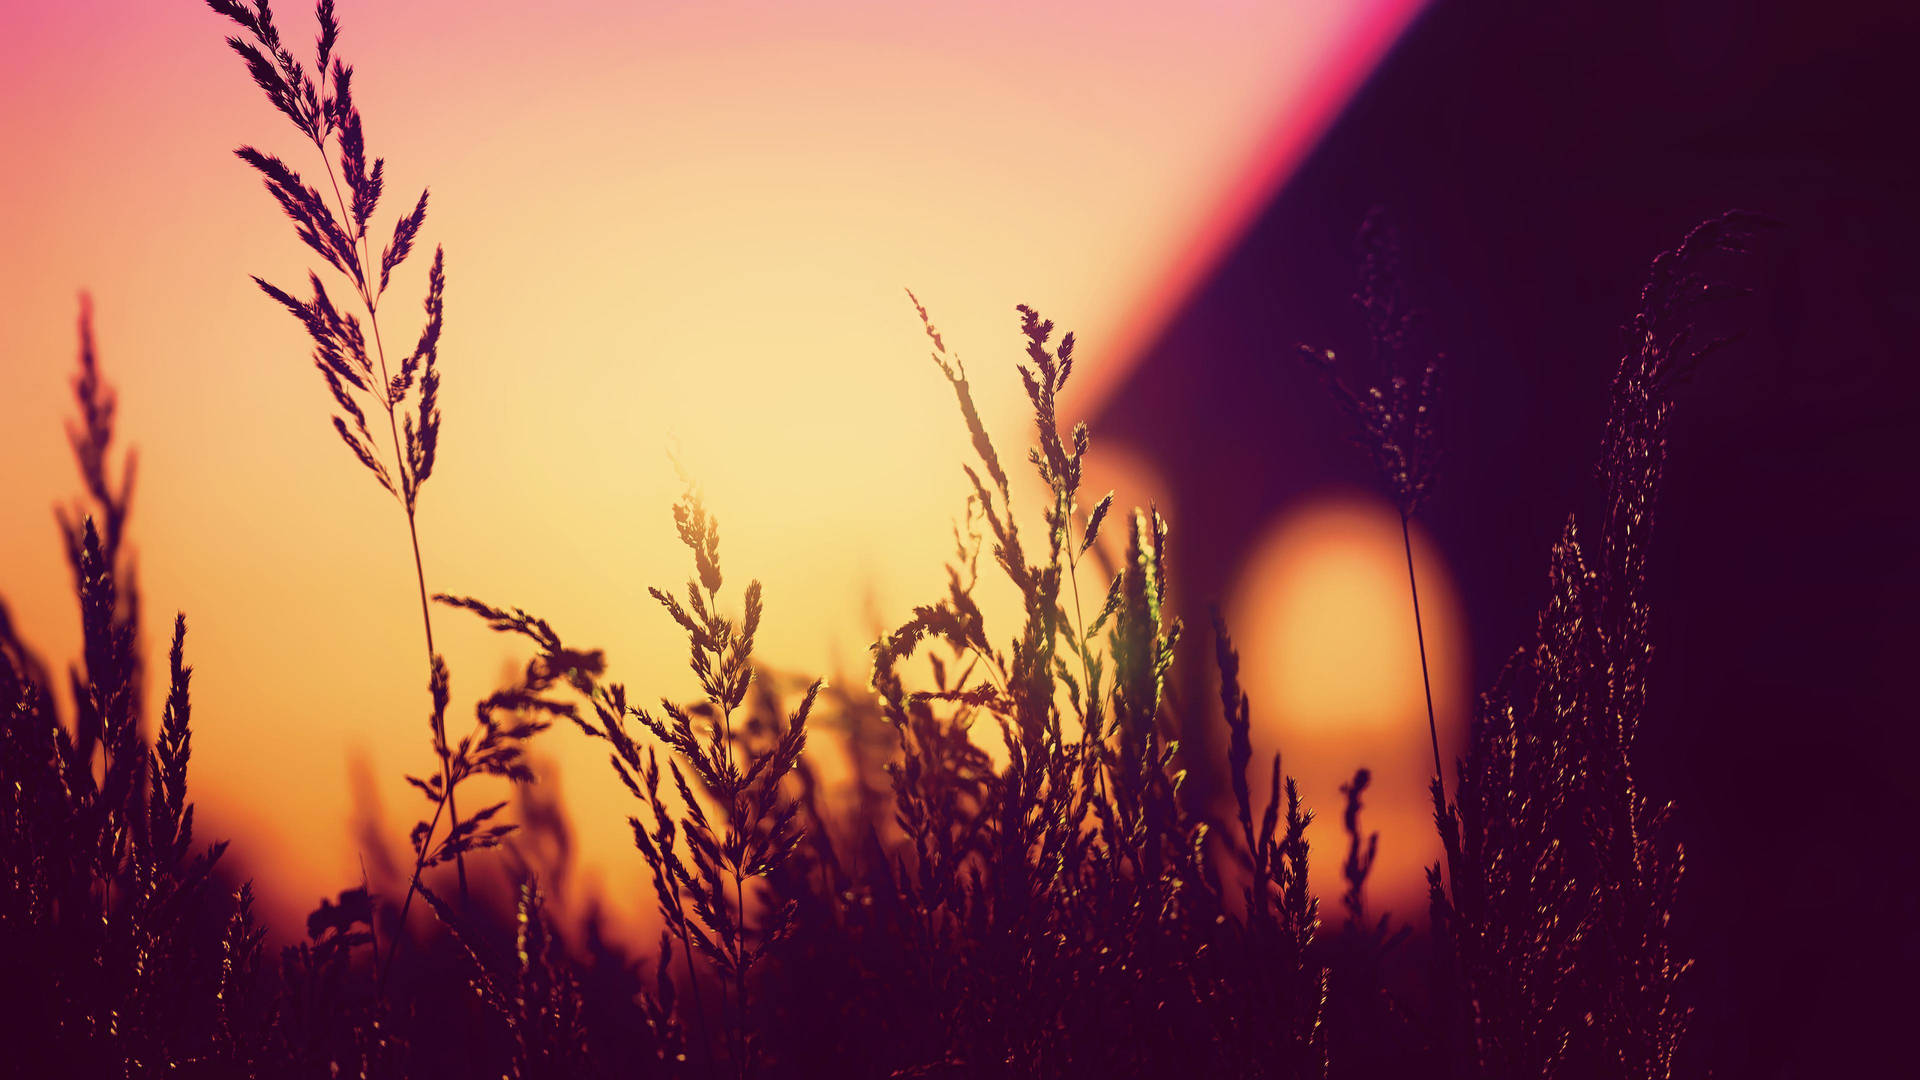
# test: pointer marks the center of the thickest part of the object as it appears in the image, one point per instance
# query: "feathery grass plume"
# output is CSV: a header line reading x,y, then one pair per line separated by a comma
x,y
1027,819
321,106
1563,874
1395,415
1070,894
103,903
106,509
91,437
700,862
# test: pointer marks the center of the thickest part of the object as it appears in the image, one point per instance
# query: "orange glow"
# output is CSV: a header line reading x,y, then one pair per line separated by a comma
x,y
683,223
1331,663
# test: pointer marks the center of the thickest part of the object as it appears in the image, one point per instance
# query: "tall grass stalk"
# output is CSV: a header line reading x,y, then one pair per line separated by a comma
x,y
1395,414
1420,636
322,108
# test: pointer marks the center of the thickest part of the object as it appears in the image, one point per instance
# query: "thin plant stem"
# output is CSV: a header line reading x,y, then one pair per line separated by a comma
x,y
446,765
693,983
993,675
372,303
426,621
1420,634
413,887
726,715
740,967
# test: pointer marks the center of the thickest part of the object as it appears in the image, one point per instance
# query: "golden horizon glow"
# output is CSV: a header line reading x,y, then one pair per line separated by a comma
x,y
668,223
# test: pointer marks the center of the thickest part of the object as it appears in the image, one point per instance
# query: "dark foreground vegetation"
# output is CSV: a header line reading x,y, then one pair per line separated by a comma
x,y
1069,908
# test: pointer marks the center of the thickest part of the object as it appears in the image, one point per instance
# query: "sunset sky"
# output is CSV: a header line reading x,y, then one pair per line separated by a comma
x,y
667,225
